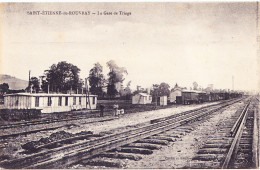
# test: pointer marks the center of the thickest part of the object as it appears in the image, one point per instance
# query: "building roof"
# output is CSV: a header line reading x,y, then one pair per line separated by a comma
x,y
175,89
193,91
48,95
144,94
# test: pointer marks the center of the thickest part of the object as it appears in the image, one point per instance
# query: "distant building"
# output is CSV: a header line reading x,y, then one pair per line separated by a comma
x,y
163,100
49,103
142,98
176,91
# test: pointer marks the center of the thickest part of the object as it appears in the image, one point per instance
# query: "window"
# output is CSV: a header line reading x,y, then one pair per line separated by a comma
x,y
79,100
74,100
37,101
66,101
60,101
49,101
94,101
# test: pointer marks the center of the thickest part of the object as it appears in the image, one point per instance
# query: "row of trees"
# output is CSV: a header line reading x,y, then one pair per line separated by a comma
x,y
63,77
114,82
4,88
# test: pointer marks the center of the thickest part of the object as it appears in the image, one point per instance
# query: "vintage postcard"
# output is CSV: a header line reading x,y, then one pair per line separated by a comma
x,y
129,85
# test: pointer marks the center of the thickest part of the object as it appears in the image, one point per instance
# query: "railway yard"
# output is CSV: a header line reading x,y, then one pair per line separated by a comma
x,y
135,85
221,134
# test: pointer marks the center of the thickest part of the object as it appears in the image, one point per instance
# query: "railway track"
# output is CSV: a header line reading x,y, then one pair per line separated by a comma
x,y
43,121
71,117
49,121
233,146
67,155
4,136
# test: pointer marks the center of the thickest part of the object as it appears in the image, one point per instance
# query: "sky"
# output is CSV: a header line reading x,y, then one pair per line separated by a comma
x,y
158,42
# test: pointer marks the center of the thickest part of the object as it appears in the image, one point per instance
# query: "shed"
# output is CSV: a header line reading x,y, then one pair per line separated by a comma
x,y
163,100
49,103
142,98
174,93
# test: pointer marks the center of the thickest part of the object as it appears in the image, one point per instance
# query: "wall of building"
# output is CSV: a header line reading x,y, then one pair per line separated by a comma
x,y
173,95
17,102
163,100
55,105
139,99
92,103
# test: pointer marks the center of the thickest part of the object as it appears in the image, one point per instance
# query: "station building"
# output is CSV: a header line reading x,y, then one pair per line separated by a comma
x,y
49,103
142,98
175,93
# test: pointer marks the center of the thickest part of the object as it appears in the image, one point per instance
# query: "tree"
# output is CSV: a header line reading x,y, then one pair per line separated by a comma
x,y
155,92
34,82
126,92
161,90
164,89
62,77
96,79
195,85
115,79
4,88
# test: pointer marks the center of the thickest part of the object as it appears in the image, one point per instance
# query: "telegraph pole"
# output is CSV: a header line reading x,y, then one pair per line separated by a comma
x,y
87,94
233,83
258,38
29,77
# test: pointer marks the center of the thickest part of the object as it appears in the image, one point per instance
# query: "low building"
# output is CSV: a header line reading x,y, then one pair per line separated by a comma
x,y
49,103
175,92
163,100
142,98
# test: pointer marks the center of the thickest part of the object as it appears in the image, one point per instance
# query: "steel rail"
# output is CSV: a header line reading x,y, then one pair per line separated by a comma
x,y
235,143
237,123
255,158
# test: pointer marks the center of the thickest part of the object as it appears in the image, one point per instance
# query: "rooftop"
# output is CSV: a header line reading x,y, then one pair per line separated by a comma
x,y
144,94
46,94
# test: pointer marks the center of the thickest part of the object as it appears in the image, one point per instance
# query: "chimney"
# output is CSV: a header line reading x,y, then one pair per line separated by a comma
x,y
138,88
148,90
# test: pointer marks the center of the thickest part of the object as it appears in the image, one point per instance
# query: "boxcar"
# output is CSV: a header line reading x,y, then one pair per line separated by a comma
x,y
203,97
189,97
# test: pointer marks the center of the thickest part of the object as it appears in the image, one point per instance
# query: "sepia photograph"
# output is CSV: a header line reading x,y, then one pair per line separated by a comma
x,y
129,85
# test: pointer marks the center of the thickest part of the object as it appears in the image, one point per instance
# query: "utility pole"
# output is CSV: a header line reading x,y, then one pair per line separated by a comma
x,y
258,36
233,83
87,94
29,78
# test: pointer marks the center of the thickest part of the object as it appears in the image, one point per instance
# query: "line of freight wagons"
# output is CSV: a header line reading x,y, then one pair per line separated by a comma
x,y
192,96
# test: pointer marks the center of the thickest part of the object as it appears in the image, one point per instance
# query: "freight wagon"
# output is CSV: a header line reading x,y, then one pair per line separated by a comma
x,y
189,97
203,97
